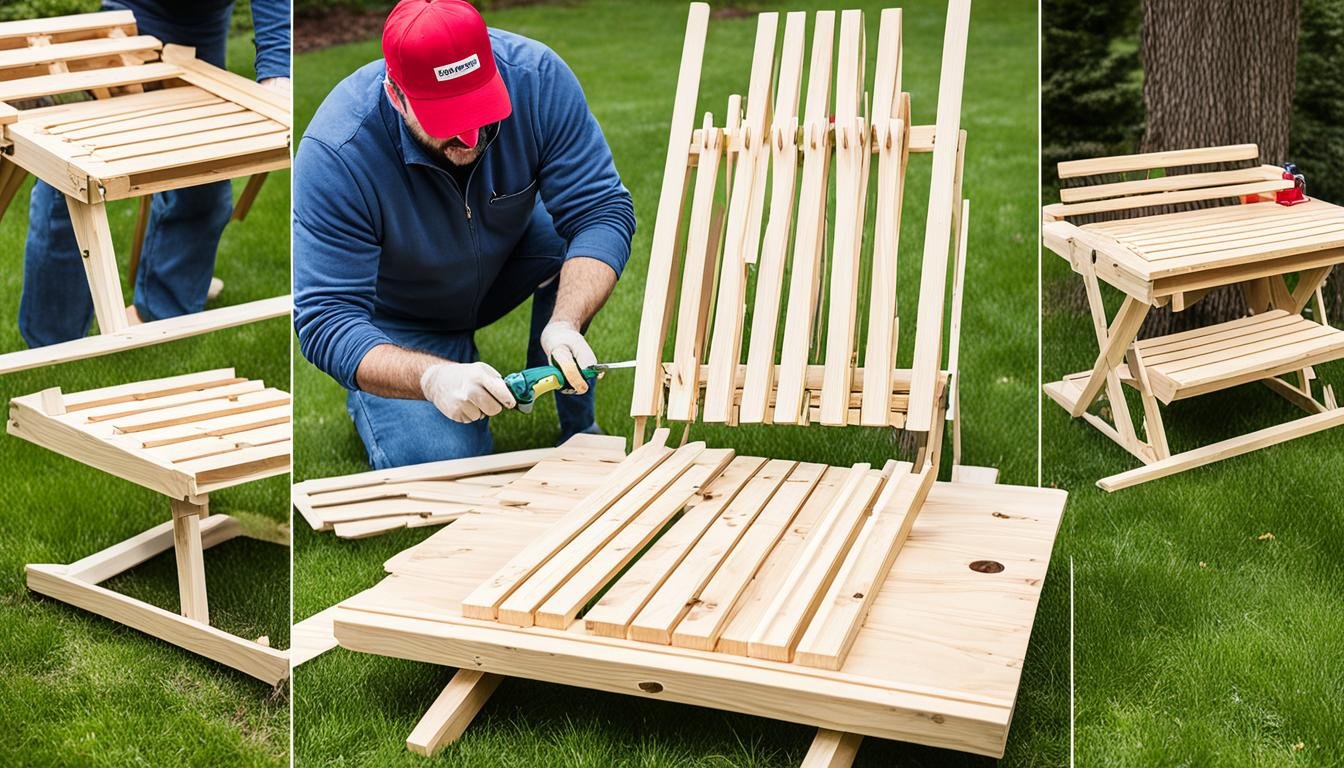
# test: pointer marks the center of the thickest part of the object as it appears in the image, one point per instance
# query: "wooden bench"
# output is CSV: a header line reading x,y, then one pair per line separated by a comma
x,y
1156,258
184,437
160,119
846,597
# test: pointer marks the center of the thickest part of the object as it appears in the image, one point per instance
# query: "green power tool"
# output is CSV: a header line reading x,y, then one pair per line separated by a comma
x,y
527,384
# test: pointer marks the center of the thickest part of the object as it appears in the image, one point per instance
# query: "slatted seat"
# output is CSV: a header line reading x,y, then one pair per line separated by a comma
x,y
184,437
774,587
160,119
1237,235
1228,354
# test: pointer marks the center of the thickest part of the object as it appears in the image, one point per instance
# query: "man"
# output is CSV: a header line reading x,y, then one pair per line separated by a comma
x,y
185,225
434,192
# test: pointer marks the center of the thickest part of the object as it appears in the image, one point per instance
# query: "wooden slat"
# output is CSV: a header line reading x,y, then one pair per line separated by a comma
x,y
811,230
891,138
55,25
161,161
1169,183
612,615
1172,159
653,322
844,608
562,607
703,624
200,411
73,82
938,232
520,608
775,250
741,238
697,274
1167,198
682,590
852,160
83,49
792,608
145,390
484,601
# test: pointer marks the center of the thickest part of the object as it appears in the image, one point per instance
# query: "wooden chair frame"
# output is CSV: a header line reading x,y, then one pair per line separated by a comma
x,y
771,587
184,437
160,119
1156,259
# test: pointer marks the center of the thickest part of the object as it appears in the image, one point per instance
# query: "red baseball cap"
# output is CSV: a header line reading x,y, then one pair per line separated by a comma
x,y
438,53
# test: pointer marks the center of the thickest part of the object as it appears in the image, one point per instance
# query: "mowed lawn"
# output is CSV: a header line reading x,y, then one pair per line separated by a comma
x,y
1210,605
357,709
77,689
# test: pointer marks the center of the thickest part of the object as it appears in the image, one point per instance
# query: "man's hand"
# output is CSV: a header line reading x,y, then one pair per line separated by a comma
x,y
567,348
465,392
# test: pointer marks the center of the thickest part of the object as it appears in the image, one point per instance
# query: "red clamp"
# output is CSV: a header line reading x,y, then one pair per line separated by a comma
x,y
1295,194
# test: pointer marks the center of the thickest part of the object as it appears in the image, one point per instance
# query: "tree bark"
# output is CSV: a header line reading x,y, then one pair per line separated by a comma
x,y
1217,72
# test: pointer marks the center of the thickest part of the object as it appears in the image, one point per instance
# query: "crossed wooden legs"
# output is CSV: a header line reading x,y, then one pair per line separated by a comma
x,y
1121,362
189,533
466,693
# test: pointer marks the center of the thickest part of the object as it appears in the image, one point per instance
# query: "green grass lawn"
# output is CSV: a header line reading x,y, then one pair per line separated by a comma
x,y
77,689
1199,643
354,708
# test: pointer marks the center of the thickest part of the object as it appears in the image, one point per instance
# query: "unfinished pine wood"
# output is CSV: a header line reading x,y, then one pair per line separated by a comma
x,y
153,125
832,749
116,429
653,323
948,620
453,710
190,559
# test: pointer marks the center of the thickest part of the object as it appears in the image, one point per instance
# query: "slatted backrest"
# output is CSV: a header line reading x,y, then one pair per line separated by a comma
x,y
56,55
745,349
1126,185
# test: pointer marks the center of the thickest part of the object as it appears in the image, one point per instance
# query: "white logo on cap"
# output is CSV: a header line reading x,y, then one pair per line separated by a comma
x,y
458,68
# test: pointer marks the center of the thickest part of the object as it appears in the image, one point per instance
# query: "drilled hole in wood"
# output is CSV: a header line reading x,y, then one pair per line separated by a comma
x,y
987,566
651,687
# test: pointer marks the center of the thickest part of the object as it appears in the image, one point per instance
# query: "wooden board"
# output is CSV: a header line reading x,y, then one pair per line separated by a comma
x,y
937,661
123,430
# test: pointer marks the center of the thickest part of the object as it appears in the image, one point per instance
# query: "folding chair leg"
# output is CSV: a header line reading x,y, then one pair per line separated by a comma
x,y
454,709
249,196
11,179
100,263
190,559
832,749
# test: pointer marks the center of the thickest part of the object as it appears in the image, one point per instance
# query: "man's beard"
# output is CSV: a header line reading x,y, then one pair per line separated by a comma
x,y
452,150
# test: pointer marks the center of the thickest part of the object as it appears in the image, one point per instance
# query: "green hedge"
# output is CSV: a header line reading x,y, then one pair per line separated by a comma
x,y
13,10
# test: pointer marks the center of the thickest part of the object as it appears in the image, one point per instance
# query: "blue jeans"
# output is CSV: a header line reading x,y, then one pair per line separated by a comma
x,y
180,242
400,432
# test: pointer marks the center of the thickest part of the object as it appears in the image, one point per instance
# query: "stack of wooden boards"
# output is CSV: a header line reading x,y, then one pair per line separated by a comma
x,y
1238,237
937,660
370,503
184,437
160,119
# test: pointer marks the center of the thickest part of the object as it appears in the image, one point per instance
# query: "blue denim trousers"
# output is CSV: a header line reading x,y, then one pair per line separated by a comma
x,y
180,241
400,432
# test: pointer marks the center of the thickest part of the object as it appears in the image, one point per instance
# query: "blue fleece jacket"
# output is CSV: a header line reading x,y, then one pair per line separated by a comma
x,y
383,234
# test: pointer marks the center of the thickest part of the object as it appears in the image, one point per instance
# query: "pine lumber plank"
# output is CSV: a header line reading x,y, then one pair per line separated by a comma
x,y
56,25
190,559
698,270
681,592
717,604
127,119
741,238
124,555
810,234
520,608
261,662
842,611
1169,183
656,571
312,636
852,158
832,749
938,232
793,606
87,80
783,162
452,711
647,386
484,601
1170,159
603,565
82,49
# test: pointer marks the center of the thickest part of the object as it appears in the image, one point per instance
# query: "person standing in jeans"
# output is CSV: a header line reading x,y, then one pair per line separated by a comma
x,y
185,225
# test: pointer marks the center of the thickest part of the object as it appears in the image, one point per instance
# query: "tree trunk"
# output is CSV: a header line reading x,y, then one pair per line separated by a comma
x,y
1217,72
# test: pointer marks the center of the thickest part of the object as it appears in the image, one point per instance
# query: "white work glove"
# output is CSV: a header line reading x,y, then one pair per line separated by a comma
x,y
567,348
464,392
